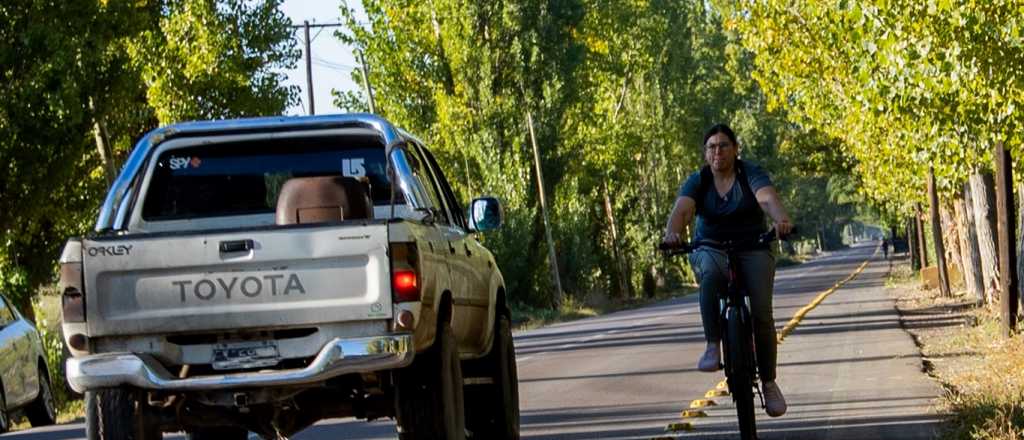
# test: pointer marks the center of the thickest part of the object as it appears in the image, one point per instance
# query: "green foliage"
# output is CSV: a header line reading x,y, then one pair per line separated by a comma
x,y
901,84
116,66
47,316
215,59
620,93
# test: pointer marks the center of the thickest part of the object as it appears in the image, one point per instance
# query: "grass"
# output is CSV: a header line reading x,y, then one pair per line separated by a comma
x,y
979,369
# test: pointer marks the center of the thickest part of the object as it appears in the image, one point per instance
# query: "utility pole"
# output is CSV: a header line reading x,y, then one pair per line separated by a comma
x,y
309,70
1006,237
309,59
544,213
366,82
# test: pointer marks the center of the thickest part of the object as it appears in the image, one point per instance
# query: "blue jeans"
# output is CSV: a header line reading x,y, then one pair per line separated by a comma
x,y
756,270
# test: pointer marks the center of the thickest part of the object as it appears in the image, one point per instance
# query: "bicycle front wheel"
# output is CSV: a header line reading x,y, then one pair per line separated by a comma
x,y
739,371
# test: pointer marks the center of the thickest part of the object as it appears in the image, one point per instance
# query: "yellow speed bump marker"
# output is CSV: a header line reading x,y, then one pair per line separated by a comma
x,y
723,385
715,393
702,403
679,426
692,414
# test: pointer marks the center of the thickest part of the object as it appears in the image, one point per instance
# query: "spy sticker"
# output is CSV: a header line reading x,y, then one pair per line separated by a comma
x,y
177,163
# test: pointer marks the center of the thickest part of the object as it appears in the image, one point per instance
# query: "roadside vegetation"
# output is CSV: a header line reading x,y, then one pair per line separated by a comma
x,y
963,349
47,319
617,94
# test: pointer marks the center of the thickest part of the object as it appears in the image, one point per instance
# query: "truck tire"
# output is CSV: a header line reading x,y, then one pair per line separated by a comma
x,y
219,433
118,414
429,401
5,419
493,408
42,411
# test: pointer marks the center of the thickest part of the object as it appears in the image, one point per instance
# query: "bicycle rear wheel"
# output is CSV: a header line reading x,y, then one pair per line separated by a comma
x,y
739,352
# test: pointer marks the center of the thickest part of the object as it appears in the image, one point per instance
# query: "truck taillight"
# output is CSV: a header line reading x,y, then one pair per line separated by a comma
x,y
406,286
72,283
405,279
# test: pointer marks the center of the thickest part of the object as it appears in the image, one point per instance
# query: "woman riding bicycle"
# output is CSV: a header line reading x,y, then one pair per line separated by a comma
x,y
730,198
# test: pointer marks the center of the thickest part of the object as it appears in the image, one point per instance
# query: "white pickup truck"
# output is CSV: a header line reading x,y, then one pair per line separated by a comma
x,y
258,275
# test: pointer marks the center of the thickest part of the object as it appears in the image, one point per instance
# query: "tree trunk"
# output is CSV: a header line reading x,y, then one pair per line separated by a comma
x,y
103,148
982,194
974,279
1020,245
951,233
922,243
912,247
1006,237
940,252
619,272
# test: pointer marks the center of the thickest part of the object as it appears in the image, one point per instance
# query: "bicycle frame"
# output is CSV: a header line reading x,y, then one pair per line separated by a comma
x,y
736,297
736,322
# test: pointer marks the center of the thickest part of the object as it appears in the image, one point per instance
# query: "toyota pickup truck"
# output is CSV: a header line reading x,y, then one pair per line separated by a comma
x,y
258,275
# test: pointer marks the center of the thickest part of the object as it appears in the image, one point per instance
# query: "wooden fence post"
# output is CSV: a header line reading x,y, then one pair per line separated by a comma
x,y
940,251
1007,238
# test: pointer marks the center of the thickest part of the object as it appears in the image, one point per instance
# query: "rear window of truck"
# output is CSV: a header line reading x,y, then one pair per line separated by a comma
x,y
244,178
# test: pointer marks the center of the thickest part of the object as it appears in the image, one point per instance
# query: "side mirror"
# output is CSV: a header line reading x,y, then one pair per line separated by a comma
x,y
485,214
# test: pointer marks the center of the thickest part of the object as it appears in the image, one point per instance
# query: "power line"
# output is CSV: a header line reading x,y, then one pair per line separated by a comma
x,y
306,26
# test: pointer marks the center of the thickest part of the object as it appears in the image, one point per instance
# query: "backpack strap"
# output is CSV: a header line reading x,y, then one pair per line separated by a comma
x,y
707,180
741,175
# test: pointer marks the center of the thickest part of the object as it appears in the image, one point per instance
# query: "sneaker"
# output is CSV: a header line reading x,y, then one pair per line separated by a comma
x,y
711,360
774,402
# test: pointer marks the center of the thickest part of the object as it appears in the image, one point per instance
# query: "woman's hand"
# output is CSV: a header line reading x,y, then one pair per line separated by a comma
x,y
783,228
672,239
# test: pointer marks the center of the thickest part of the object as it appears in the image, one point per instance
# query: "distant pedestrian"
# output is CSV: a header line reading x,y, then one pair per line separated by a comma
x,y
885,248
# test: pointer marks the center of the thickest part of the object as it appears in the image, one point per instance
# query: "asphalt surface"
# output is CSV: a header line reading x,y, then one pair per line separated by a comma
x,y
848,370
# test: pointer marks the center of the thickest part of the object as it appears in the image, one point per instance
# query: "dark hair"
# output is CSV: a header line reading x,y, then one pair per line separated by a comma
x,y
719,129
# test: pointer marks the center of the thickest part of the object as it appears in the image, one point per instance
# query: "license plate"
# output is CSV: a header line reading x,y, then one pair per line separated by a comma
x,y
233,356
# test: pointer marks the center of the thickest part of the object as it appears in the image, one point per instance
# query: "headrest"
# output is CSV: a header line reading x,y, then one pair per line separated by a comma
x,y
304,200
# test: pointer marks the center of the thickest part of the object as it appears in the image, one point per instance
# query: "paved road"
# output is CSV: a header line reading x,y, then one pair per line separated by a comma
x,y
849,371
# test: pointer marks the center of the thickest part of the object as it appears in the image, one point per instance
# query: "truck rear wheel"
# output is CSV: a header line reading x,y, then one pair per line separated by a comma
x,y
118,414
429,400
493,408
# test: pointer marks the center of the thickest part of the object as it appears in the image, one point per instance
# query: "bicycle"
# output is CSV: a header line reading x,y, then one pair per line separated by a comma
x,y
738,354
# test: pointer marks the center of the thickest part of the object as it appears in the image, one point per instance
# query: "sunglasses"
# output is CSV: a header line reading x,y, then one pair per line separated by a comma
x,y
718,146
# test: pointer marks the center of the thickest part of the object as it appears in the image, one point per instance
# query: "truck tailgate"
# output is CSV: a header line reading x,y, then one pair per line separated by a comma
x,y
236,280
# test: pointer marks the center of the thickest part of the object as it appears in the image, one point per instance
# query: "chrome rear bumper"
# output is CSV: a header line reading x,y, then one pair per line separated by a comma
x,y
340,356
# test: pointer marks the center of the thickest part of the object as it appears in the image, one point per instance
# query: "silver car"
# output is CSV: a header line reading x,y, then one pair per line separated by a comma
x,y
24,381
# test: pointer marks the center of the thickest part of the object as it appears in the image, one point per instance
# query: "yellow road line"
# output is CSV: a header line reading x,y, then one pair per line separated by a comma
x,y
800,314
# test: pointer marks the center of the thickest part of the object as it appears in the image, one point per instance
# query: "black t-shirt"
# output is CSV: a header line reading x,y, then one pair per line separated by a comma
x,y
730,227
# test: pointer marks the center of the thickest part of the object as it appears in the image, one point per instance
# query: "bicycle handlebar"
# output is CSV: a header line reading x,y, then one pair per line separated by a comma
x,y
727,246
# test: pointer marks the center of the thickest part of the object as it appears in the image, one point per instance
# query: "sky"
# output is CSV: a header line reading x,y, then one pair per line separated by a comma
x,y
333,61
